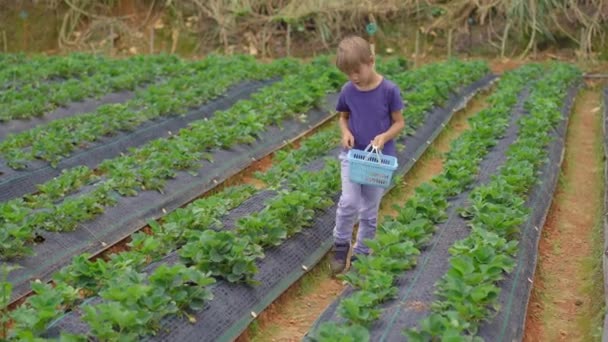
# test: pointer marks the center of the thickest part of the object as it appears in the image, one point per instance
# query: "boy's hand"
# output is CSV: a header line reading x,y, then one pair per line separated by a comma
x,y
379,141
348,141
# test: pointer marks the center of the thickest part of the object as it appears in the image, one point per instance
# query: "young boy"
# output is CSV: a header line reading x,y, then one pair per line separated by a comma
x,y
370,109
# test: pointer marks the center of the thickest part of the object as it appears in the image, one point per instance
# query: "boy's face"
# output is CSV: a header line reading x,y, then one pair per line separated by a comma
x,y
363,76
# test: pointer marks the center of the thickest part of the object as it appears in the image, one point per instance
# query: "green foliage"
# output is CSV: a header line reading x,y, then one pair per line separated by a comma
x,y
193,84
222,254
34,87
42,308
360,308
330,332
134,308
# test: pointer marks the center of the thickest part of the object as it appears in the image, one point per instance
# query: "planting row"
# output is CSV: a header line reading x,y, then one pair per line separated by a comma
x,y
400,239
9,59
149,167
34,99
305,185
197,83
468,293
17,70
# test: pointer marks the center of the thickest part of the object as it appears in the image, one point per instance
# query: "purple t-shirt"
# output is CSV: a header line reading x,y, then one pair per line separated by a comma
x,y
370,112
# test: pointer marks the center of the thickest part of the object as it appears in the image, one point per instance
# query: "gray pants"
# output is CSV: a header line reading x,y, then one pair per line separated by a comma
x,y
356,202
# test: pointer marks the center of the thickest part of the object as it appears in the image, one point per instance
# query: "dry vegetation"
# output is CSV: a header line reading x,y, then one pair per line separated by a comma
x,y
272,28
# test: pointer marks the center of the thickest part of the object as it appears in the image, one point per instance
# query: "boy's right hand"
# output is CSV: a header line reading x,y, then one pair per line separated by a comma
x,y
348,141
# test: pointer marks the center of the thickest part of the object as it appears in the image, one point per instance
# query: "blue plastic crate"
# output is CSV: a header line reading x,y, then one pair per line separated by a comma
x,y
371,167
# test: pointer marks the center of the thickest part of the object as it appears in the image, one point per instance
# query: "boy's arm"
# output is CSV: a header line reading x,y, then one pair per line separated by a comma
x,y
392,132
348,140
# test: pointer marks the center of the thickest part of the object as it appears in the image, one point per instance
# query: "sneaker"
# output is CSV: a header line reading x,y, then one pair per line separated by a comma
x,y
338,260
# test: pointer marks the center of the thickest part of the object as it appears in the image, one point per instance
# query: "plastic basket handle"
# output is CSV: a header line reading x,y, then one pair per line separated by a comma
x,y
373,149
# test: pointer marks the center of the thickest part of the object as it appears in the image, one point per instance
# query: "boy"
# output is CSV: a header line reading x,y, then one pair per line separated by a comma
x,y
370,109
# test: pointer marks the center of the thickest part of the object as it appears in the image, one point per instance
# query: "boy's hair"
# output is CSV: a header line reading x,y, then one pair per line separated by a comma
x,y
353,51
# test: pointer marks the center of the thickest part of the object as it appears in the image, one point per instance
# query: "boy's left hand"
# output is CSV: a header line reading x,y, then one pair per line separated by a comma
x,y
379,141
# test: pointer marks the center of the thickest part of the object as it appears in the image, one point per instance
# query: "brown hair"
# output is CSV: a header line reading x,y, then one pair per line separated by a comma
x,y
353,51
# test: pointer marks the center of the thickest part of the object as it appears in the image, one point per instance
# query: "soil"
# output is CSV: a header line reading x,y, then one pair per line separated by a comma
x,y
289,318
121,246
248,175
499,66
564,300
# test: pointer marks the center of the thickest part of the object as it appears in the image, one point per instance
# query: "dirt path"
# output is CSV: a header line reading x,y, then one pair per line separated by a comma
x,y
567,299
290,316
294,313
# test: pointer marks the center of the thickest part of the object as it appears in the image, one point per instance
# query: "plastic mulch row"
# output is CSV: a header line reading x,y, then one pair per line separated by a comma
x,y
234,305
131,213
509,323
416,287
70,109
15,183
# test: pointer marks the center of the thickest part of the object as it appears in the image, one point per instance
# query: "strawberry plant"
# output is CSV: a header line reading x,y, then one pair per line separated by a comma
x,y
114,321
371,280
360,308
285,162
42,308
132,308
222,254
64,184
87,274
351,333
187,287
263,229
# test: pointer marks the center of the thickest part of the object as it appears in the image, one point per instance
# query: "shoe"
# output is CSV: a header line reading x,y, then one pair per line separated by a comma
x,y
338,260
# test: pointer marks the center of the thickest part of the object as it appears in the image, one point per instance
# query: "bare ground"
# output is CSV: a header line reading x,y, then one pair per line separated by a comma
x,y
567,297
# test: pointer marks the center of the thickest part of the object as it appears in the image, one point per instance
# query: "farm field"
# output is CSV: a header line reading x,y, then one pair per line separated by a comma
x,y
160,199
